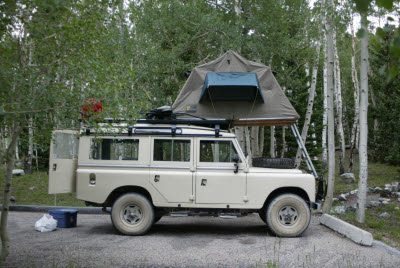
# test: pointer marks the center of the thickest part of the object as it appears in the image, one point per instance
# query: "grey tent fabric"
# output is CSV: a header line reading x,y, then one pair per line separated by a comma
x,y
275,109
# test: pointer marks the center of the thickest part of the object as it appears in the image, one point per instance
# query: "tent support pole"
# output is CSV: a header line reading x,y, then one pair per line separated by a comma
x,y
310,165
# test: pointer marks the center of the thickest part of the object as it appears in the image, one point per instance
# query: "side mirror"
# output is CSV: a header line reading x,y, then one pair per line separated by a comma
x,y
236,160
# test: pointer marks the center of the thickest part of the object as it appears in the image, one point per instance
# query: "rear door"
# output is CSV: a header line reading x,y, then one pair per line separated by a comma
x,y
171,171
63,161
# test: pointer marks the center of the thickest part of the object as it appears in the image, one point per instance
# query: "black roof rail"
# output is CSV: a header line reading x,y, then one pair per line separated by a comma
x,y
211,123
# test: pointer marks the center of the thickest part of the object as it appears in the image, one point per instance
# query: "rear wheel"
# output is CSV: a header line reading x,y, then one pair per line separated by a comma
x,y
288,215
132,214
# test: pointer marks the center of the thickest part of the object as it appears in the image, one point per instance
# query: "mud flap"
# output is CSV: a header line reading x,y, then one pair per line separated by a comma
x,y
321,191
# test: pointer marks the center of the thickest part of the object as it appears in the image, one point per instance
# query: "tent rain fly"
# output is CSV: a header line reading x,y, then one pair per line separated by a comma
x,y
237,89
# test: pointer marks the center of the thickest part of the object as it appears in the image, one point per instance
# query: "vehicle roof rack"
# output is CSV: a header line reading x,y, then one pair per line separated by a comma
x,y
211,123
164,115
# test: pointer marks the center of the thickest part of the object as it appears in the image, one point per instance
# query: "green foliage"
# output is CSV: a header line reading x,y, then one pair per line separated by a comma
x,y
388,4
54,55
385,141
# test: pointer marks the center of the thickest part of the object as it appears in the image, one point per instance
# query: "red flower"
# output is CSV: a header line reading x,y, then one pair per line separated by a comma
x,y
91,108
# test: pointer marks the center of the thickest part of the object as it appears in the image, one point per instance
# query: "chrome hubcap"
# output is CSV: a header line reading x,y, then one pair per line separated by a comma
x,y
288,215
132,214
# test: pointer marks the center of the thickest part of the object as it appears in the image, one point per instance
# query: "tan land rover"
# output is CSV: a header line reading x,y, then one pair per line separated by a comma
x,y
146,171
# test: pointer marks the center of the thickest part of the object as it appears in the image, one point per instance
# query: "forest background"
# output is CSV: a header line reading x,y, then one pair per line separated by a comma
x,y
133,56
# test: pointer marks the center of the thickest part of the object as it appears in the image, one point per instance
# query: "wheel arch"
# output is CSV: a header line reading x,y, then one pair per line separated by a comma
x,y
287,190
126,189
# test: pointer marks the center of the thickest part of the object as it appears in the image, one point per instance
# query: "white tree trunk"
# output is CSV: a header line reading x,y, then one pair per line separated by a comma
x,y
357,136
255,148
362,184
28,167
331,124
356,91
239,132
310,104
272,142
283,141
262,133
284,145
17,151
339,110
248,145
36,158
237,7
325,114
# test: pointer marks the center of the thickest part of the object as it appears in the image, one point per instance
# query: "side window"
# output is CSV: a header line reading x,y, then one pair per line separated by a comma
x,y
65,146
217,151
171,150
114,149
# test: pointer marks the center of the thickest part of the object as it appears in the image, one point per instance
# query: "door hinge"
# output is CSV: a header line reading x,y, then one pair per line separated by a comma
x,y
245,198
191,197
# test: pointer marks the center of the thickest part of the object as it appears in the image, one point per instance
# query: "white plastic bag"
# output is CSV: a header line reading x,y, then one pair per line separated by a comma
x,y
46,224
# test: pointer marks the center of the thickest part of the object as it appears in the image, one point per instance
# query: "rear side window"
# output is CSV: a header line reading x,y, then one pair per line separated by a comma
x,y
171,150
217,151
65,145
114,149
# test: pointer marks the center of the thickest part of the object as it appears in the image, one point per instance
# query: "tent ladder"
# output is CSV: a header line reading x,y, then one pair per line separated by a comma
x,y
306,156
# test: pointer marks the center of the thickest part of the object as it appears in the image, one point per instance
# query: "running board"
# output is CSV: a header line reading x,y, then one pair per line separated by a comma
x,y
207,214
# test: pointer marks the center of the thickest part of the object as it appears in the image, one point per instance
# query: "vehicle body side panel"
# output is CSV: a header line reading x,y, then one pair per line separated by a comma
x,y
255,183
260,185
108,179
112,174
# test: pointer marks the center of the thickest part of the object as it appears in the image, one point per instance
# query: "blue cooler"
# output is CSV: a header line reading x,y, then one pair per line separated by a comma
x,y
66,218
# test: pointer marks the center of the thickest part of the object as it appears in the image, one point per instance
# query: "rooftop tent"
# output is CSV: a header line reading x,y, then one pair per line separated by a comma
x,y
231,87
234,88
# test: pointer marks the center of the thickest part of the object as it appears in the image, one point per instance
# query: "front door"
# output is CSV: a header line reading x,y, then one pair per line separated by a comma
x,y
216,181
171,168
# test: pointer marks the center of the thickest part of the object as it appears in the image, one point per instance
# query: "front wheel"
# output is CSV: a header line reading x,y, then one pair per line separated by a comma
x,y
288,215
132,214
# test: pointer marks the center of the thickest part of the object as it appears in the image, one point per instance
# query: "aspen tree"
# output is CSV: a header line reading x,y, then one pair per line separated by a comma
x,y
363,155
330,110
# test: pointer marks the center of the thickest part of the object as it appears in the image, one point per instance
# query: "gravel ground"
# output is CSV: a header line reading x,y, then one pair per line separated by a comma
x,y
185,242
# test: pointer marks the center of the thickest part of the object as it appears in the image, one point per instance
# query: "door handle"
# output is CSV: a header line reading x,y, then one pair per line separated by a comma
x,y
156,178
54,167
203,182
